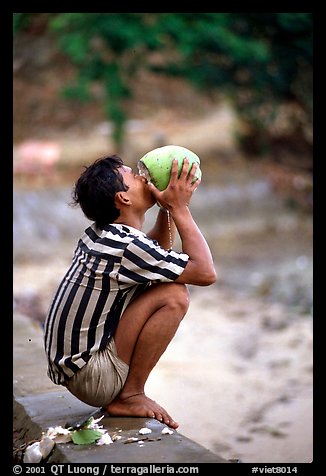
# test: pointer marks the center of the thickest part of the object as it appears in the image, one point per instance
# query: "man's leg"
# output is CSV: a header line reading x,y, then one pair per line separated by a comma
x,y
143,334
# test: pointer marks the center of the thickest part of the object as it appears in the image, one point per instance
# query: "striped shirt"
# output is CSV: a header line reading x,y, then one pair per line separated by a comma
x,y
108,268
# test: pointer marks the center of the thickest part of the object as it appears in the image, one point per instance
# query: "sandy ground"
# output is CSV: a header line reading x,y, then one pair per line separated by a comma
x,y
238,378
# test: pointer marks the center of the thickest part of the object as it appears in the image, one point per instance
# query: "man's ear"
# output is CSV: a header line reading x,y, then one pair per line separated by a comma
x,y
122,198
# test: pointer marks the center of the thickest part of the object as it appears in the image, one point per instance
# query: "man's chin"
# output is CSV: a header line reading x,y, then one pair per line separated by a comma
x,y
152,201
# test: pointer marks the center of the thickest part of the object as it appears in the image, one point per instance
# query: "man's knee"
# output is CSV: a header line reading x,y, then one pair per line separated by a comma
x,y
178,297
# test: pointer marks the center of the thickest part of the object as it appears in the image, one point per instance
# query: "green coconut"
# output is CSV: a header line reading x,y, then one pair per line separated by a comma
x,y
156,165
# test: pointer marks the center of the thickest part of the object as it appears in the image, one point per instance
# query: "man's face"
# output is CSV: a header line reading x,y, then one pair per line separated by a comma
x,y
138,192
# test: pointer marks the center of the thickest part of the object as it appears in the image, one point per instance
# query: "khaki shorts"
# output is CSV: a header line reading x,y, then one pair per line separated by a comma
x,y
101,379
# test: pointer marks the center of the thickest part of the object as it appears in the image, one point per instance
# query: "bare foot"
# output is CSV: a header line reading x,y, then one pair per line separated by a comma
x,y
140,406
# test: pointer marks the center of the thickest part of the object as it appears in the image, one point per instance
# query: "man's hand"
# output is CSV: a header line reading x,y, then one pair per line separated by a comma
x,y
179,191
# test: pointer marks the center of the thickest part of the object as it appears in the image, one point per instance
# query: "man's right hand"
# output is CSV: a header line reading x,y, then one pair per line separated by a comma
x,y
179,191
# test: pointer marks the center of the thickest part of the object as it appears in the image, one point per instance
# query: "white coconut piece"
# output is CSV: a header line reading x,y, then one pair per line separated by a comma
x,y
46,446
105,440
144,431
33,453
59,434
93,425
166,431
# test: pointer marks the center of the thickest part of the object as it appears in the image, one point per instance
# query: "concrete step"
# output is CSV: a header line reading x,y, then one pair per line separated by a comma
x,y
34,414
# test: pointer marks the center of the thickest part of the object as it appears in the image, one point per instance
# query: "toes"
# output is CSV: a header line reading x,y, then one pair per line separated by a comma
x,y
173,424
165,418
159,416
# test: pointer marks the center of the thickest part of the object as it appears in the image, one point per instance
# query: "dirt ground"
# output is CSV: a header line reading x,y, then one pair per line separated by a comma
x,y
238,378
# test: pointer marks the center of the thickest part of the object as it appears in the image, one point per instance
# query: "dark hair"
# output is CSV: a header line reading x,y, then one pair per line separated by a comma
x,y
95,190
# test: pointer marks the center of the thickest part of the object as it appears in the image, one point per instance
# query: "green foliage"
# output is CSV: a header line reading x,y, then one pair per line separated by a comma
x,y
85,436
261,51
78,90
260,60
107,48
31,22
20,22
257,59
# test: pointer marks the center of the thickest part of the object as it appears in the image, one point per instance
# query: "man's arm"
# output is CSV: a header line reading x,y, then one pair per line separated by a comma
x,y
161,232
200,269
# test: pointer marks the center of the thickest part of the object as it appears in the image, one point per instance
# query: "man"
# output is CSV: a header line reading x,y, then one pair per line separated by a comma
x,y
124,295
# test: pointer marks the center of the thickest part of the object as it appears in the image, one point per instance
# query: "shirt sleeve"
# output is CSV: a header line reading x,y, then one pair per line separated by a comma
x,y
144,260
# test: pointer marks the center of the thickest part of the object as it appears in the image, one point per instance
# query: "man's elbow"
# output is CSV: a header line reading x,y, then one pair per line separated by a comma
x,y
209,278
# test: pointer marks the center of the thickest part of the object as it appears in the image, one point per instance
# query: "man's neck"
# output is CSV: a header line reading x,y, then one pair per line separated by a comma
x,y
133,220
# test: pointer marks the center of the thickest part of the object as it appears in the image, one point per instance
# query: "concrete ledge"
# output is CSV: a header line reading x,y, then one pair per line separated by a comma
x,y
36,413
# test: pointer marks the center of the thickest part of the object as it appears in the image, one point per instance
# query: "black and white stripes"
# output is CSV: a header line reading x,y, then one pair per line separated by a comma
x,y
108,267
